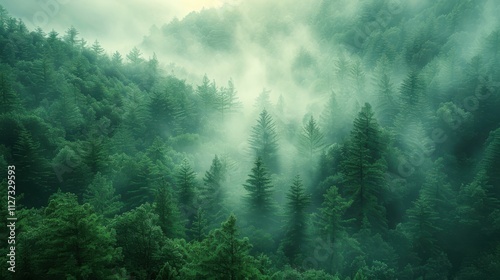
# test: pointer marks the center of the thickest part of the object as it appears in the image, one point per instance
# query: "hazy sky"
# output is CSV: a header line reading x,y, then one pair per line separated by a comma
x,y
118,25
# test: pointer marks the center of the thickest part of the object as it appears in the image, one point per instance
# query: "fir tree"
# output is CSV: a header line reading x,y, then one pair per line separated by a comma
x,y
226,256
212,191
330,222
199,227
296,225
186,185
9,101
422,227
226,100
311,139
259,198
141,238
101,195
165,207
73,242
363,170
264,141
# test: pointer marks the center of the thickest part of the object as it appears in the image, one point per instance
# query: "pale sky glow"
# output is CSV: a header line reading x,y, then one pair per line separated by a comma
x,y
117,25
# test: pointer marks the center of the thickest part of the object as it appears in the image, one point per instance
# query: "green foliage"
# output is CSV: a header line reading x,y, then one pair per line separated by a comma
x,y
411,193
296,222
422,229
225,256
311,140
330,219
186,186
165,206
101,195
213,192
363,170
264,141
74,243
259,199
141,238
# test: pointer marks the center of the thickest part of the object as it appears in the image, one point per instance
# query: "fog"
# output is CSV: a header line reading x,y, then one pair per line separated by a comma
x,y
398,100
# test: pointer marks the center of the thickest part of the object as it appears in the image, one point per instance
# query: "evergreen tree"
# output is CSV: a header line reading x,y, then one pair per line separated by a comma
x,y
225,256
263,101
490,164
207,93
259,198
9,100
363,170
186,186
97,49
411,95
117,58
199,226
73,243
134,56
422,228
165,207
333,120
264,141
330,218
212,191
71,36
95,155
141,238
101,195
387,107
226,100
311,139
32,177
296,224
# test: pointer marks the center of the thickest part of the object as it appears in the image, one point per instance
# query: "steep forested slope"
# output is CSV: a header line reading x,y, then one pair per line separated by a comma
x,y
374,155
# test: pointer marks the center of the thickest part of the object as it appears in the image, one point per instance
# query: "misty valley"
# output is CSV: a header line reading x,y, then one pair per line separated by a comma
x,y
324,140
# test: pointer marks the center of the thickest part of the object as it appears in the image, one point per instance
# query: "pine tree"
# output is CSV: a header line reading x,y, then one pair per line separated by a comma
x,y
296,225
333,121
165,207
199,226
263,101
95,155
207,93
490,164
411,95
31,179
363,170
264,141
422,228
259,199
141,238
117,58
97,49
71,35
9,101
212,191
226,100
330,222
101,195
186,185
134,56
225,256
73,242
311,139
387,107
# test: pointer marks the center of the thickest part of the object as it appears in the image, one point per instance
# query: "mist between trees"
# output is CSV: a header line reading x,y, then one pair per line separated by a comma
x,y
321,140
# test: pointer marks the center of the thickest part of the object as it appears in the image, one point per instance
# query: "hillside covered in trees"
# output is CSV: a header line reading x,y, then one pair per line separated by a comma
x,y
348,140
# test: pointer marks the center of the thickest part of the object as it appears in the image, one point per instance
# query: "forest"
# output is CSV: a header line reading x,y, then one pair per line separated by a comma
x,y
332,140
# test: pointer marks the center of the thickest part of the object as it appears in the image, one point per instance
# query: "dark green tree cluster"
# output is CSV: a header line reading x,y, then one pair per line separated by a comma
x,y
398,177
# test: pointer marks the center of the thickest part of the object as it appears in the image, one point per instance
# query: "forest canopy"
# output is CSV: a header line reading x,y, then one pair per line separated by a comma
x,y
339,140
